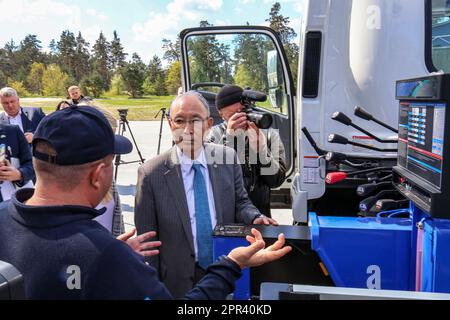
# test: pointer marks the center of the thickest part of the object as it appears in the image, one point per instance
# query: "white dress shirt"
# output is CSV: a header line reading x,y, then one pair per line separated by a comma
x,y
106,219
17,120
188,173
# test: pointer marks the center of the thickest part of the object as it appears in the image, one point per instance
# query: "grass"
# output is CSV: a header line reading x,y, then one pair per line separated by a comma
x,y
143,109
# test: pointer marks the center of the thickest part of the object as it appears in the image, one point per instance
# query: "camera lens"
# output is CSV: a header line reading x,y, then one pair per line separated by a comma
x,y
262,120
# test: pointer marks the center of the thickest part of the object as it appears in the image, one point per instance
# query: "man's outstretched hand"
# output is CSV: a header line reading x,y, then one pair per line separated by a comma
x,y
140,244
256,253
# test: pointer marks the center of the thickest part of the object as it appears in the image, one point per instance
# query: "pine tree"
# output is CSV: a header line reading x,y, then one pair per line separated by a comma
x,y
118,55
8,62
251,58
154,84
133,75
280,24
81,63
67,46
154,68
27,53
209,57
53,46
172,51
102,60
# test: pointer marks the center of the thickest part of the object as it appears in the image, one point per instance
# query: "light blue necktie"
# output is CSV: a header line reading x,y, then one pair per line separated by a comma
x,y
202,218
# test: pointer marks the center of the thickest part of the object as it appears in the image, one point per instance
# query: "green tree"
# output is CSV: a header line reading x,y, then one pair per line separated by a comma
x,y
53,55
81,58
8,61
102,60
67,47
244,78
54,81
172,51
92,85
251,55
34,79
117,85
154,84
16,61
160,85
19,87
3,79
133,75
156,87
173,80
280,24
118,55
210,60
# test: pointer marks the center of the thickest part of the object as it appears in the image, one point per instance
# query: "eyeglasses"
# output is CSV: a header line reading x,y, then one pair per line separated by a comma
x,y
182,123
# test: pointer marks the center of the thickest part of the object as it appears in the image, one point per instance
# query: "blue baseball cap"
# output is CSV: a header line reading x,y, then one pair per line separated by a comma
x,y
79,135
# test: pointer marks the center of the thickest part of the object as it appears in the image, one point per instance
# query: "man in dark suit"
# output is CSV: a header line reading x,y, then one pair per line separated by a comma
x,y
50,235
16,167
27,118
186,191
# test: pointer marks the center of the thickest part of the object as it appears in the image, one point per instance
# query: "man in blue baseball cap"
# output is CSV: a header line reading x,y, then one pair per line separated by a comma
x,y
50,236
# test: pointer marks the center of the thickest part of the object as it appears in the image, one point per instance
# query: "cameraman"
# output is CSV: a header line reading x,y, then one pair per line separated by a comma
x,y
260,151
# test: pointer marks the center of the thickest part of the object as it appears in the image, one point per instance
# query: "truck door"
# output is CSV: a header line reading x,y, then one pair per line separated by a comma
x,y
251,57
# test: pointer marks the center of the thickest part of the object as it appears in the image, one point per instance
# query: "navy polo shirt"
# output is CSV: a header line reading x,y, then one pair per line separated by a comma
x,y
64,254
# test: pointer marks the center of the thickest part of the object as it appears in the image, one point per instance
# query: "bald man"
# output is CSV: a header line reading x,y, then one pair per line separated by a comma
x,y
185,192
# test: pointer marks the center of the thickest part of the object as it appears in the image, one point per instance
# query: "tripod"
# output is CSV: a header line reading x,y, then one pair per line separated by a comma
x,y
163,115
123,125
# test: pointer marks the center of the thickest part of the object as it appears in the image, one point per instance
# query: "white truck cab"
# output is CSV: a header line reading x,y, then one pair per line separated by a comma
x,y
351,54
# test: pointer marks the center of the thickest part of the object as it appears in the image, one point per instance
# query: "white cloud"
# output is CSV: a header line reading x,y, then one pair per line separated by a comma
x,y
39,11
168,23
219,22
97,15
47,19
179,14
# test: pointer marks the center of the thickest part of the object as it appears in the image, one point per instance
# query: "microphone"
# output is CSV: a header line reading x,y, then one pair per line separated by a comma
x,y
335,138
342,118
366,189
254,95
363,114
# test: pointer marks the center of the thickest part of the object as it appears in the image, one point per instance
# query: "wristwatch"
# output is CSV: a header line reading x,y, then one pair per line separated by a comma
x,y
259,216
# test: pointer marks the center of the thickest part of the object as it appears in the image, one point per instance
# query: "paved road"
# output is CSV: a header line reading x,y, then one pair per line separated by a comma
x,y
146,134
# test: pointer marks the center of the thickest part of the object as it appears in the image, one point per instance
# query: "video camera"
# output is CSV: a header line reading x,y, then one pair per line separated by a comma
x,y
262,120
123,113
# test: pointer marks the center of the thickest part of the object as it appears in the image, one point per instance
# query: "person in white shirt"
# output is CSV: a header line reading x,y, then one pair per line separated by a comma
x,y
26,118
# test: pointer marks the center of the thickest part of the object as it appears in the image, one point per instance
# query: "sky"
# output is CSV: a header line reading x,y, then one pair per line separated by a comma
x,y
141,24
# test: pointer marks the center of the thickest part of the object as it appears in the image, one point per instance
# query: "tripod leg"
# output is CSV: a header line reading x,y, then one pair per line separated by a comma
x,y
118,158
134,141
160,131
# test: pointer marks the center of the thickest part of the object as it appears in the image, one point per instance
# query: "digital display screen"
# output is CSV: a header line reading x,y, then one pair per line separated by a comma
x,y
421,139
418,89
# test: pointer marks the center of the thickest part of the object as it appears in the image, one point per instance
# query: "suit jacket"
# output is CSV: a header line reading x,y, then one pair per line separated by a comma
x,y
161,206
31,117
17,147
